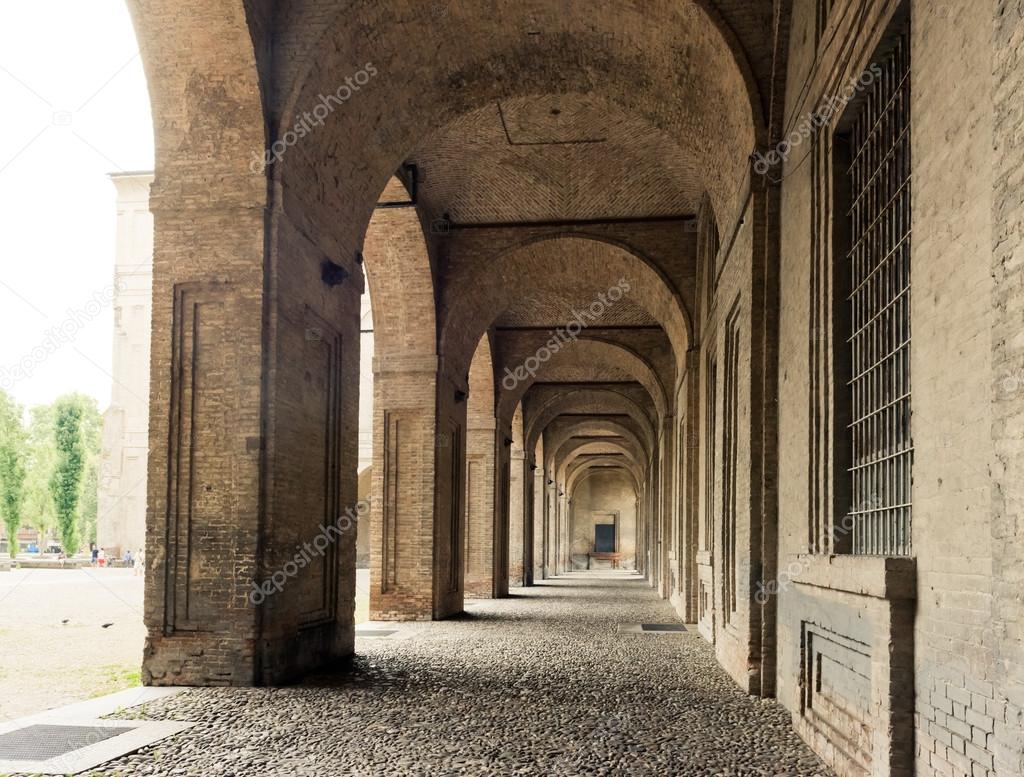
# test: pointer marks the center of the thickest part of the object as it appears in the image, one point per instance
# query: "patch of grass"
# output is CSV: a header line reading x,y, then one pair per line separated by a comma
x,y
115,677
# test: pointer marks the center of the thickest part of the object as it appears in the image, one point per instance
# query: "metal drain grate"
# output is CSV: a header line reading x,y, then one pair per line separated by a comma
x,y
662,627
42,742
375,632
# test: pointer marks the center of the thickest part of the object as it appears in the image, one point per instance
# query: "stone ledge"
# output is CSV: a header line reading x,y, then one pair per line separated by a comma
x,y
881,577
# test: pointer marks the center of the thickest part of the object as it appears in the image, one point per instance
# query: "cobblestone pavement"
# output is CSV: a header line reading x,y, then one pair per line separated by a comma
x,y
543,683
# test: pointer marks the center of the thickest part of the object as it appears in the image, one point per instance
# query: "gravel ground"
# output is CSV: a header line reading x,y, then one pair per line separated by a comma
x,y
539,684
54,647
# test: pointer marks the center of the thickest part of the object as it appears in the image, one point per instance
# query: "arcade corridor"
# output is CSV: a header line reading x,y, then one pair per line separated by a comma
x,y
644,266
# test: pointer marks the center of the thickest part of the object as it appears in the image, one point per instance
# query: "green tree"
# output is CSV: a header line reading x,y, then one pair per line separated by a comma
x,y
39,510
89,507
92,430
66,481
40,506
13,452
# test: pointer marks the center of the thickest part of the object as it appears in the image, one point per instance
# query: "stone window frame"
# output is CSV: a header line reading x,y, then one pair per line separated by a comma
x,y
731,406
883,517
709,243
710,441
827,499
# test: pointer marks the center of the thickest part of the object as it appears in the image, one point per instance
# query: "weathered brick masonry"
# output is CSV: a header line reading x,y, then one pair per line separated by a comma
x,y
608,249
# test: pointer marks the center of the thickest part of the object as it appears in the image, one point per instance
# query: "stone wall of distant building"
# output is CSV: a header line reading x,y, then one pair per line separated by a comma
x,y
121,520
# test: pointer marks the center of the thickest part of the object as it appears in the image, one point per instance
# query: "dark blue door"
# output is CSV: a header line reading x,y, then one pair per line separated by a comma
x,y
604,537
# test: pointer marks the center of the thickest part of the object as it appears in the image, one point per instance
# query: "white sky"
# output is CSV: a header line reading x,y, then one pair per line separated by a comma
x,y
57,206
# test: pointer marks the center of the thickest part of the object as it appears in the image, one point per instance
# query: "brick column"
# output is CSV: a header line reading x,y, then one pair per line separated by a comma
x,y
405,444
502,511
516,516
550,524
481,458
563,529
539,500
307,541
641,529
205,443
526,510
666,482
688,507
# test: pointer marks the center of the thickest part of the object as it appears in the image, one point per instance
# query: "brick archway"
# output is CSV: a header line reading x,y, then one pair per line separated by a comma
x,y
588,358
573,279
406,101
611,401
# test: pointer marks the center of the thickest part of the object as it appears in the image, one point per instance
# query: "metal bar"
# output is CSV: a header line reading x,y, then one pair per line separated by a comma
x,y
879,255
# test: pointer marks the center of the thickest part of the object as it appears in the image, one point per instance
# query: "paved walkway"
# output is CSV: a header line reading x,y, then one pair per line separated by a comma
x,y
543,683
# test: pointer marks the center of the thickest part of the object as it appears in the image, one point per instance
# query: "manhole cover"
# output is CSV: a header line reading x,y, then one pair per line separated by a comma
x,y
375,632
43,742
663,627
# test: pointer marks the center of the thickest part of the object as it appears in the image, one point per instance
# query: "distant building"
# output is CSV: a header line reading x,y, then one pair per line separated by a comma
x,y
365,383
121,521
365,426
26,536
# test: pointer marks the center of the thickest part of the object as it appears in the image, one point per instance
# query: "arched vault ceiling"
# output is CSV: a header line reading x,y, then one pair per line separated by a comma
x,y
598,466
584,459
555,307
565,433
544,404
673,65
554,282
558,157
583,361
746,24
579,452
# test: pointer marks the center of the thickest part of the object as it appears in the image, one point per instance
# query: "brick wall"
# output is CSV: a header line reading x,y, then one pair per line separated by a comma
x,y
482,543
603,497
951,672
1007,41
952,315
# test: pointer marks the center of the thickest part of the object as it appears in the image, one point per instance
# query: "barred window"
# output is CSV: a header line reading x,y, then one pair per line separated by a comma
x,y
730,437
710,432
708,243
871,159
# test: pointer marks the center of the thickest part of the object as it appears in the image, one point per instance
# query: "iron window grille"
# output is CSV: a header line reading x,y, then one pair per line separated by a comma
x,y
871,154
710,422
730,458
